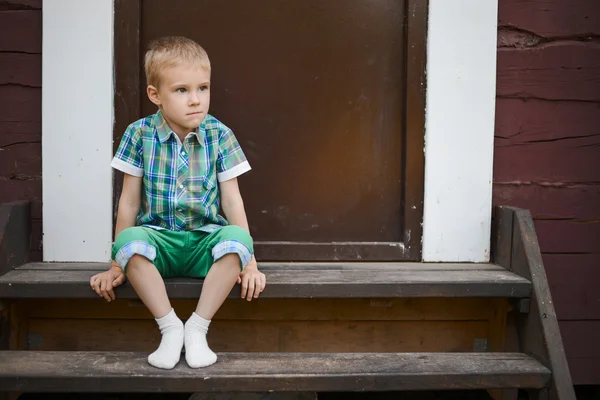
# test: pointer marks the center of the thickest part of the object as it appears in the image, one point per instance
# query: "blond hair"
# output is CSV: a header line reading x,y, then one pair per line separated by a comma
x,y
169,51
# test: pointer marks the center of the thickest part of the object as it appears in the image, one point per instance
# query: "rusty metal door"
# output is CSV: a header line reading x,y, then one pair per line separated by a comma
x,y
317,92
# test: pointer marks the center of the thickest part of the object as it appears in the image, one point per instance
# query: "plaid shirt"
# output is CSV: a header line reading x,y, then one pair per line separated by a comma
x,y
180,190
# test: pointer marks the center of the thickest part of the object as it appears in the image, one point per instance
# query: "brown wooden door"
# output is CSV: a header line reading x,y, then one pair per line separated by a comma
x,y
317,93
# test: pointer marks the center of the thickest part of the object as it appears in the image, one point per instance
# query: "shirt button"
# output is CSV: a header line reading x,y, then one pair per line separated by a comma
x,y
183,153
180,186
179,209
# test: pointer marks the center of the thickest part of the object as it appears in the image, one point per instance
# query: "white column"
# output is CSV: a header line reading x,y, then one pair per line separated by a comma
x,y
77,128
459,133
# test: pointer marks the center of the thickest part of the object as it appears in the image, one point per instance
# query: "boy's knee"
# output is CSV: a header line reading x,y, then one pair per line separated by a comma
x,y
234,232
130,235
132,242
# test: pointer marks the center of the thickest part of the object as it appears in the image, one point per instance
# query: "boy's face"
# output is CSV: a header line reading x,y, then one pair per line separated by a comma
x,y
183,96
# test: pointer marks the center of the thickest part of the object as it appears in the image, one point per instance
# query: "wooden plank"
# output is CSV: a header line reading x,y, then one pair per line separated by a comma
x,y
573,282
416,86
274,309
15,234
21,160
556,162
585,370
523,121
557,71
541,319
29,25
578,201
20,103
297,266
291,284
21,69
263,336
571,18
568,236
502,236
130,372
20,5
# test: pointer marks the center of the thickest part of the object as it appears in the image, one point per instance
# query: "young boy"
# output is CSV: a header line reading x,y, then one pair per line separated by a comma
x,y
180,164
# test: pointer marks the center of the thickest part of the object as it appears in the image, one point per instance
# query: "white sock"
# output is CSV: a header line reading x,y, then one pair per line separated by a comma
x,y
197,352
169,351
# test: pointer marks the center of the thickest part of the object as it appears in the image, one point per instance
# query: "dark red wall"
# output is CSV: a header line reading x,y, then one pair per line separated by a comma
x,y
547,154
21,108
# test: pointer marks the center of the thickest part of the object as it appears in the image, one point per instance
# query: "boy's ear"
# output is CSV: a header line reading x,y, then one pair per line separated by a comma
x,y
153,94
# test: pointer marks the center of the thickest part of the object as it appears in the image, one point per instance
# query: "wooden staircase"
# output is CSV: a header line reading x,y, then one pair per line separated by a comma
x,y
318,326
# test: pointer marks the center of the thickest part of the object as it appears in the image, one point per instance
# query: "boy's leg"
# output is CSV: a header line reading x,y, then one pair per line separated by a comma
x,y
136,249
230,249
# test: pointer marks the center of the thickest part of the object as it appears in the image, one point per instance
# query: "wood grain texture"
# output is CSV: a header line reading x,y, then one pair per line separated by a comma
x,y
574,285
20,5
21,31
547,201
263,336
552,18
555,162
21,69
556,71
21,160
541,321
294,283
477,309
102,372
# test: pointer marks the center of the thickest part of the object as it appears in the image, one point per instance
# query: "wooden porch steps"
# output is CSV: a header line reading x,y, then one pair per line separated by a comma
x,y
292,280
53,371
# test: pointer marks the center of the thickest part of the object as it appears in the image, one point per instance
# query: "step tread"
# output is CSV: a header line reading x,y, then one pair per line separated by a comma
x,y
291,280
130,372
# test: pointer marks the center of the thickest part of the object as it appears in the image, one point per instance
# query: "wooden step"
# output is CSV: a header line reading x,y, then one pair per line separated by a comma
x,y
34,371
292,280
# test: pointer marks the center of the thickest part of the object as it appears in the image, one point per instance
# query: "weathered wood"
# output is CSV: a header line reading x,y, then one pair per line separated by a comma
x,y
295,266
20,5
456,309
15,235
28,24
342,251
539,331
574,285
557,162
566,19
502,238
20,103
568,236
532,120
577,201
557,71
21,69
21,160
581,346
293,283
263,336
130,372
416,86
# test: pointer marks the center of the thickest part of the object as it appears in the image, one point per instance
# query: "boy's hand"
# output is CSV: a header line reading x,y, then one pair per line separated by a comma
x,y
253,281
104,282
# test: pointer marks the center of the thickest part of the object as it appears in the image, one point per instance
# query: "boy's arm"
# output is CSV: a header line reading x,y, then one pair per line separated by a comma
x,y
129,206
253,282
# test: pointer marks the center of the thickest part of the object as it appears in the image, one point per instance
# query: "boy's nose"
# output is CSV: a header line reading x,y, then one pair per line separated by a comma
x,y
194,99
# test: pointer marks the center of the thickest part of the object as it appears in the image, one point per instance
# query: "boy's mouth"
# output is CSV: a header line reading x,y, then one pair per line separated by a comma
x,y
195,113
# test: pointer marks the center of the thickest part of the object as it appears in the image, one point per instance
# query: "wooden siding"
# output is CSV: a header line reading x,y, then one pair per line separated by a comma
x,y
547,153
21,109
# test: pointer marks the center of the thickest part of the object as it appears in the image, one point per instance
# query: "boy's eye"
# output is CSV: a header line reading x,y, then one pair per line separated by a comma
x,y
181,90
203,88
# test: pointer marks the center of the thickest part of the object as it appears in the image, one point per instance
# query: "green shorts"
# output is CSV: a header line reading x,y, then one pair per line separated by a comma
x,y
182,253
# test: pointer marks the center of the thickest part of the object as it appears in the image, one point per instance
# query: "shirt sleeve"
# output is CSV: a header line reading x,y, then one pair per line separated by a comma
x,y
231,161
129,157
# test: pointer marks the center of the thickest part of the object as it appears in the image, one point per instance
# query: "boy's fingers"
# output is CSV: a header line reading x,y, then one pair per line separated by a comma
x,y
120,279
244,287
111,292
263,282
250,289
239,280
92,280
103,286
